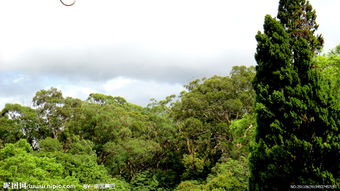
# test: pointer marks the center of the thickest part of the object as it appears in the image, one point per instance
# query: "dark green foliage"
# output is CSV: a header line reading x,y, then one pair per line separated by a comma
x,y
130,157
50,145
297,121
9,131
299,20
145,181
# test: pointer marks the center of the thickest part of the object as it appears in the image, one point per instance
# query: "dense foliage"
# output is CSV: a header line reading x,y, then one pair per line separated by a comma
x,y
200,136
281,120
297,137
198,140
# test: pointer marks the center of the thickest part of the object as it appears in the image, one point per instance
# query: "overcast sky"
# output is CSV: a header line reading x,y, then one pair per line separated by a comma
x,y
138,49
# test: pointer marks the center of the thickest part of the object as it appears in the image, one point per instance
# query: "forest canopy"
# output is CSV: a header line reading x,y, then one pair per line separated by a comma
x,y
198,140
273,126
105,139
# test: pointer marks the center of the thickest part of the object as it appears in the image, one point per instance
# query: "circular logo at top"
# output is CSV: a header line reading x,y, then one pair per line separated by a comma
x,y
68,2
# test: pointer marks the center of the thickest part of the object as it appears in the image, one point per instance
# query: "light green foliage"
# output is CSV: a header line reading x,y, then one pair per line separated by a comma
x,y
78,160
243,133
102,99
19,164
120,185
189,186
193,165
229,175
329,66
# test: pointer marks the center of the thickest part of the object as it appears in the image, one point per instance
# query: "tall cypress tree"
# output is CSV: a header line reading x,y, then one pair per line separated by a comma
x,y
298,19
297,140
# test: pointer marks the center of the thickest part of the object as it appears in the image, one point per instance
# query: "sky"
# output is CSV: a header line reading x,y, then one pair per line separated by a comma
x,y
137,49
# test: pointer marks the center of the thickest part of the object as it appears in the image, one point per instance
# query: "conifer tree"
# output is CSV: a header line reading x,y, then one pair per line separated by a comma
x,y
297,139
299,20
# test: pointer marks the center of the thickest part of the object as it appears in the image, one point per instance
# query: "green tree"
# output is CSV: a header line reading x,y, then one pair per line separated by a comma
x,y
187,185
49,105
229,175
130,157
243,135
10,132
21,122
329,66
297,121
145,181
299,20
203,115
19,164
50,145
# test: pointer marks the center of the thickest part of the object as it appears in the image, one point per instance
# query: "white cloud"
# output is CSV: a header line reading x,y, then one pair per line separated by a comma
x,y
175,28
75,91
23,100
18,79
131,48
140,91
117,83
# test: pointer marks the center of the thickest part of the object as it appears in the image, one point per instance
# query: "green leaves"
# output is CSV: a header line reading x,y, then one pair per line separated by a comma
x,y
129,157
49,106
329,67
299,20
294,105
203,115
217,99
227,175
50,145
193,165
105,139
19,164
21,122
